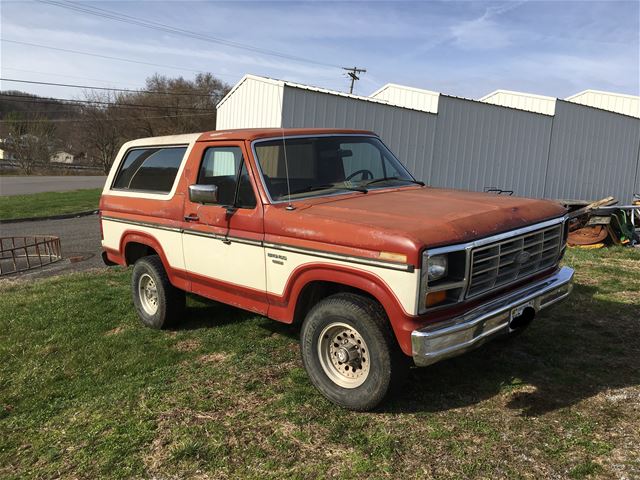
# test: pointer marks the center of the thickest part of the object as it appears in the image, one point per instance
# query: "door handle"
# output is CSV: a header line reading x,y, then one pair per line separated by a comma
x,y
191,218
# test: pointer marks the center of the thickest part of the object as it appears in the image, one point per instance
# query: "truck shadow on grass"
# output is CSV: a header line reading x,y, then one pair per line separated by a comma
x,y
571,352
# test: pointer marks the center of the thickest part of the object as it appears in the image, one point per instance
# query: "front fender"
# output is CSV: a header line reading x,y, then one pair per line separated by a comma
x,y
282,307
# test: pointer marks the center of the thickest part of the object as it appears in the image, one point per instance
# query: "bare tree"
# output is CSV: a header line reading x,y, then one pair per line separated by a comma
x,y
102,131
167,106
30,141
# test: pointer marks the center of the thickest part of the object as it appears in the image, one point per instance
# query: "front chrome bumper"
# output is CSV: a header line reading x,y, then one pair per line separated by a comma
x,y
465,332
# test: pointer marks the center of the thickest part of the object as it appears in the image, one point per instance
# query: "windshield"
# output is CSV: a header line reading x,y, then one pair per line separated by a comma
x,y
330,164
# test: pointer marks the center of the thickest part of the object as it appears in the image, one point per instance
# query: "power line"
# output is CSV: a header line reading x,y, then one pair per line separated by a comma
x,y
119,17
121,59
62,120
89,87
51,74
31,99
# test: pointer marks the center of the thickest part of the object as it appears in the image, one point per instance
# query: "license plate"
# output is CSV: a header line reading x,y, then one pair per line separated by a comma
x,y
517,311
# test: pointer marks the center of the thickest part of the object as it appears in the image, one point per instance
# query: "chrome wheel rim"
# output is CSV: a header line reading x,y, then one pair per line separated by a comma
x,y
344,355
148,294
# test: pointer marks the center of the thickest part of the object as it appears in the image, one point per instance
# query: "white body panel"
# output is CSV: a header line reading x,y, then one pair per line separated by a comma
x,y
170,240
403,284
253,266
238,263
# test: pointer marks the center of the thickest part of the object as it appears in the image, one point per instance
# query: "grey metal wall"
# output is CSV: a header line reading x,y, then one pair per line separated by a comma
x,y
636,188
580,153
479,145
408,133
594,153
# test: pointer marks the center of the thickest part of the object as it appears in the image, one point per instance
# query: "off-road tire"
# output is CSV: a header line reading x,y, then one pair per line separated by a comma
x,y
387,364
170,300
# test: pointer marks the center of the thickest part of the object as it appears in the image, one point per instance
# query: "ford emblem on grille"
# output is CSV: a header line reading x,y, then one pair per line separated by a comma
x,y
522,257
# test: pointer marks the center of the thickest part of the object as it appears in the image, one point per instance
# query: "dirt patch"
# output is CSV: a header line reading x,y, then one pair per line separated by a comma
x,y
188,345
115,331
214,357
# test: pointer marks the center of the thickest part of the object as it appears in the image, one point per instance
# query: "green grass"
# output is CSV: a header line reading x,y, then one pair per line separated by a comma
x,y
48,203
87,392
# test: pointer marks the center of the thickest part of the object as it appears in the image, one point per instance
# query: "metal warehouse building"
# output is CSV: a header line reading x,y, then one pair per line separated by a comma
x,y
534,145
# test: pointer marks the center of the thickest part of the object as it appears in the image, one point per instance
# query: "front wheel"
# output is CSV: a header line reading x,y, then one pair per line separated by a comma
x,y
349,352
159,304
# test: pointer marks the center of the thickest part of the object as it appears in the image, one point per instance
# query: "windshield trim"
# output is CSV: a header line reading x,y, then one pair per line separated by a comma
x,y
333,194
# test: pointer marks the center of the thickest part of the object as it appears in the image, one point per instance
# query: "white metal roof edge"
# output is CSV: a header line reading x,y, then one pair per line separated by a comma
x,y
602,92
403,87
246,77
535,112
519,94
301,86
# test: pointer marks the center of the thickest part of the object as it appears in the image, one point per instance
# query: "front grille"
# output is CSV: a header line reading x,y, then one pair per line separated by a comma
x,y
507,261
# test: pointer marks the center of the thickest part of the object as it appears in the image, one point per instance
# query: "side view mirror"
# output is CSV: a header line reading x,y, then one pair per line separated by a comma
x,y
203,193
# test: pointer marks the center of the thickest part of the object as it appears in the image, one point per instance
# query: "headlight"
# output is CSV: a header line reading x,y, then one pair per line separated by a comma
x,y
442,278
436,267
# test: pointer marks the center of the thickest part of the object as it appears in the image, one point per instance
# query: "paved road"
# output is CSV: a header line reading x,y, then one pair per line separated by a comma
x,y
79,238
10,185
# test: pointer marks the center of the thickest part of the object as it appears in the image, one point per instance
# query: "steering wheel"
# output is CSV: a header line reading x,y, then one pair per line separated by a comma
x,y
366,174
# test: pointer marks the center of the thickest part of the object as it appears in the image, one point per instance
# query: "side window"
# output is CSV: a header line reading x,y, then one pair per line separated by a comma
x,y
150,169
223,166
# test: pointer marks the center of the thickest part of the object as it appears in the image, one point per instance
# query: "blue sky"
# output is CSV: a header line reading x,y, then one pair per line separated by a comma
x,y
464,48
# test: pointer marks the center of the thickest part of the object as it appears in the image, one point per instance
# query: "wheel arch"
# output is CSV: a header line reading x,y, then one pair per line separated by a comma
x,y
136,244
311,283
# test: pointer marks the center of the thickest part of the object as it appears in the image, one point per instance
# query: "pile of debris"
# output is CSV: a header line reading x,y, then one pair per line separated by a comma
x,y
604,223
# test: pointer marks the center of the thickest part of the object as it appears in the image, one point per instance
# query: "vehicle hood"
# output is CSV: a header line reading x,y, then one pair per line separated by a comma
x,y
410,218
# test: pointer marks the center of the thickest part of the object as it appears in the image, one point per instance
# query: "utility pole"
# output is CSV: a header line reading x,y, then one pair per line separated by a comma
x,y
353,73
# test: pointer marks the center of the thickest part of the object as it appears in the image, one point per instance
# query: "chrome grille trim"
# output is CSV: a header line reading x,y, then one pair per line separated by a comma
x,y
468,247
506,261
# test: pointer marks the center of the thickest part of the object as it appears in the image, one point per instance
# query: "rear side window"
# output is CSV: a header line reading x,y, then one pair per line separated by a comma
x,y
150,169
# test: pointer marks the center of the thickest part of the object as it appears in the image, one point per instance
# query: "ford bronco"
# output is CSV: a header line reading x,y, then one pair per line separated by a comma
x,y
327,229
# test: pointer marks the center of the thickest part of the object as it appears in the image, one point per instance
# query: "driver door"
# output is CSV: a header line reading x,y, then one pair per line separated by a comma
x,y
222,241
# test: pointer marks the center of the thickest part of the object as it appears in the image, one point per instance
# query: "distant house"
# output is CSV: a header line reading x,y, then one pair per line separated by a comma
x,y
5,155
61,157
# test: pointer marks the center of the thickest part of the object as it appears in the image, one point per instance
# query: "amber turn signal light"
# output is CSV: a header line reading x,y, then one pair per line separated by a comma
x,y
435,298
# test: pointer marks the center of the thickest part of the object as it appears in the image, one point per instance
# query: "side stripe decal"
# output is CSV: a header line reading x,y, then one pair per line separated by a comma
x,y
275,246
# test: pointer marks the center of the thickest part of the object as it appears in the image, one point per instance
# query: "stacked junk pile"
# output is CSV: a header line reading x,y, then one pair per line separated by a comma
x,y
604,223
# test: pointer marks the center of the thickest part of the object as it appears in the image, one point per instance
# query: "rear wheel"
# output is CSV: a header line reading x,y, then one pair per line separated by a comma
x,y
349,351
158,303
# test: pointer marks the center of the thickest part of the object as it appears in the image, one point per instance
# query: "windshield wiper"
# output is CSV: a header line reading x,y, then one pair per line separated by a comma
x,y
379,180
329,186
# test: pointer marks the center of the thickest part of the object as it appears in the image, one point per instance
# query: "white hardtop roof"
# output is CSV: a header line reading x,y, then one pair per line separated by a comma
x,y
183,139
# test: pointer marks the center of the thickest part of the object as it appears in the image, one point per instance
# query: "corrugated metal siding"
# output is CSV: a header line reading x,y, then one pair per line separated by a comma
x,y
594,153
408,133
522,101
636,187
256,103
625,104
423,100
479,145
